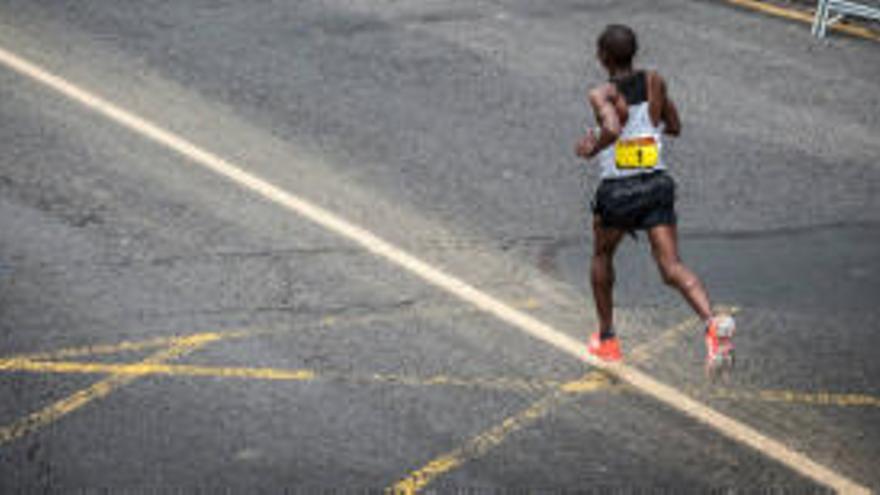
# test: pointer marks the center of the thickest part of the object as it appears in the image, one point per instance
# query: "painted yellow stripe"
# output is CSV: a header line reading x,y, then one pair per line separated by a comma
x,y
740,432
153,368
775,10
327,321
127,346
441,465
495,436
484,383
806,17
101,389
794,397
95,350
733,429
479,445
279,374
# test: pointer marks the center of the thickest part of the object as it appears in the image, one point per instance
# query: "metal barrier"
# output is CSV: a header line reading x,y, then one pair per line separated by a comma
x,y
826,8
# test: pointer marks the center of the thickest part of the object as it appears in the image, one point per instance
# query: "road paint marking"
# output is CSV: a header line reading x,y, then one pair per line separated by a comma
x,y
529,304
122,347
282,374
806,17
594,381
154,368
677,400
39,419
485,383
793,397
496,435
326,321
40,363
479,445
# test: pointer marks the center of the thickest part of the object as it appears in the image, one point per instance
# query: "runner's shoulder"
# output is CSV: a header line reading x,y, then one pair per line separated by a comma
x,y
603,94
655,82
604,89
653,77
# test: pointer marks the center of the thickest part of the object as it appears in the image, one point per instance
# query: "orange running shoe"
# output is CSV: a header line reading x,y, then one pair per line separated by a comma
x,y
719,343
604,349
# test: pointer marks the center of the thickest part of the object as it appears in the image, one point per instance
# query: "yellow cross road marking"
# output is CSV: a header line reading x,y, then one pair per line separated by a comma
x,y
326,321
177,346
593,381
272,374
53,412
479,445
587,384
496,435
557,392
18,364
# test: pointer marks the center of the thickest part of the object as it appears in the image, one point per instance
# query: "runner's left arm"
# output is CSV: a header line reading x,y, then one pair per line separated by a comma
x,y
661,106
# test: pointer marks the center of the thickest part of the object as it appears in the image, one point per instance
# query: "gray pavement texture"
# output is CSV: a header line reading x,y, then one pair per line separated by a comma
x,y
446,127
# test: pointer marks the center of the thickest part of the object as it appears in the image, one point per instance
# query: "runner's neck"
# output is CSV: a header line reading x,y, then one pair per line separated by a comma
x,y
615,73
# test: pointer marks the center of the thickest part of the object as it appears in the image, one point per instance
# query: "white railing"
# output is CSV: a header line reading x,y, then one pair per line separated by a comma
x,y
830,11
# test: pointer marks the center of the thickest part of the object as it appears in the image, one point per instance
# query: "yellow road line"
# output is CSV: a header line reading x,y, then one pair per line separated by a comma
x,y
152,368
125,346
586,385
94,350
775,10
455,286
326,321
53,412
739,432
277,374
806,17
793,397
494,436
485,383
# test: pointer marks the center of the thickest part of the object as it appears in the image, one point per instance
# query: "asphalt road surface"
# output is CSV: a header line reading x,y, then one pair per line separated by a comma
x,y
163,328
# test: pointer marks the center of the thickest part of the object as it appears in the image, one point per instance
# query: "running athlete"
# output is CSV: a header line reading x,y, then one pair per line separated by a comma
x,y
636,193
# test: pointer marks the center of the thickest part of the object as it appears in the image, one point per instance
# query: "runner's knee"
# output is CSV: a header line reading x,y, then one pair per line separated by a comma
x,y
675,274
671,272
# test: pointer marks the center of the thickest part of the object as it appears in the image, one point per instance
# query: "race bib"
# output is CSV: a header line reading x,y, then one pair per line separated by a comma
x,y
639,152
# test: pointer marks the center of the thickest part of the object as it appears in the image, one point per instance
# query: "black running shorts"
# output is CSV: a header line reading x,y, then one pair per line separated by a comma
x,y
637,202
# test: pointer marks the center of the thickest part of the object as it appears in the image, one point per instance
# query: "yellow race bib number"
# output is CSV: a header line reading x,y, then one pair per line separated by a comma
x,y
640,152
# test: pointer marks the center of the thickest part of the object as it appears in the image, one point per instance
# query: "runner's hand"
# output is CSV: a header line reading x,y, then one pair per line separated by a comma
x,y
586,147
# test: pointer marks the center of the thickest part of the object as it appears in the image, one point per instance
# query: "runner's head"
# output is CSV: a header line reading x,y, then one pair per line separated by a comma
x,y
616,46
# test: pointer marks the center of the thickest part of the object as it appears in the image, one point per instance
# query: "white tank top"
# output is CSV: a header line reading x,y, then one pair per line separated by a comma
x,y
639,149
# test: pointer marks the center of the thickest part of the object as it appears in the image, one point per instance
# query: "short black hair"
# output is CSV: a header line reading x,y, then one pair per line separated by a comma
x,y
618,44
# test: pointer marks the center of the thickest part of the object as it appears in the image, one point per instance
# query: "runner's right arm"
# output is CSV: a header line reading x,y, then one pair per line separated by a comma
x,y
611,112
